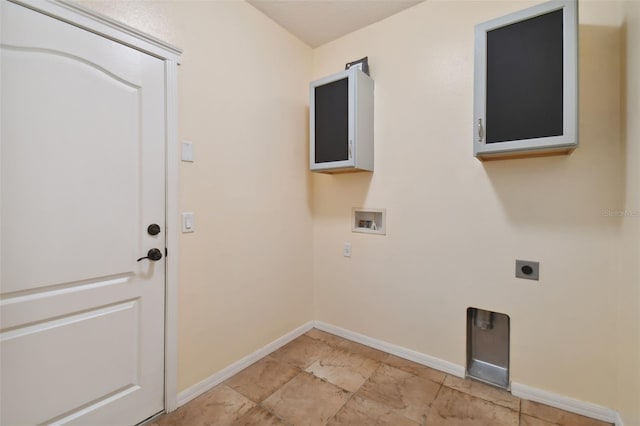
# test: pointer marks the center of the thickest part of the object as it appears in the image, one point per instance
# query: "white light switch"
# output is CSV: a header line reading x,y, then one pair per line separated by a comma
x,y
346,250
187,222
187,151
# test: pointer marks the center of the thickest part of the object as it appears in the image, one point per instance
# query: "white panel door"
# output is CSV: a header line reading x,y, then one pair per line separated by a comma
x,y
82,162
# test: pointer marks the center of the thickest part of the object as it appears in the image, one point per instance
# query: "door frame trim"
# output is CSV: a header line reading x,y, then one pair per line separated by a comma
x,y
171,233
101,25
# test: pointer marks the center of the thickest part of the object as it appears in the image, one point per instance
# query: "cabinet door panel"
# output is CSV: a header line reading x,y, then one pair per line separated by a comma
x,y
524,79
332,121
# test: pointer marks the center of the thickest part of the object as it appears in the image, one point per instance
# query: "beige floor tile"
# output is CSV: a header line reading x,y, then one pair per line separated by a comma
x,y
453,408
532,421
557,416
219,407
261,379
347,345
405,393
306,400
344,369
258,416
361,411
415,368
302,352
486,392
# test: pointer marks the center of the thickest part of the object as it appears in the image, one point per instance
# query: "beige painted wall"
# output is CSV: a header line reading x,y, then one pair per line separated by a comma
x,y
245,274
456,225
628,250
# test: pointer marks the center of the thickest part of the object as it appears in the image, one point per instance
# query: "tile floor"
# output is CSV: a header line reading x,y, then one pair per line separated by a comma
x,y
322,379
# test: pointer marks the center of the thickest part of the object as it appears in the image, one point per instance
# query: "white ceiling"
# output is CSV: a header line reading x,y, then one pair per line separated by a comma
x,y
316,22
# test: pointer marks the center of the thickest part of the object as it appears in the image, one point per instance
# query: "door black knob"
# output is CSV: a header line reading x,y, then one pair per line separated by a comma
x,y
153,254
153,229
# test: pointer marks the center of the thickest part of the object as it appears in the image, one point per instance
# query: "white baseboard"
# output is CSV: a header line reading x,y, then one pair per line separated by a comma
x,y
517,389
222,375
411,355
565,403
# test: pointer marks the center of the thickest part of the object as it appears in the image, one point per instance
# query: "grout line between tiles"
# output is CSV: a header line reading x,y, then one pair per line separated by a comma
x,y
274,414
426,416
283,420
341,408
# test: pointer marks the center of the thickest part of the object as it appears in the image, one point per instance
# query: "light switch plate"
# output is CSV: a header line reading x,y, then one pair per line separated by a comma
x,y
187,151
346,250
188,225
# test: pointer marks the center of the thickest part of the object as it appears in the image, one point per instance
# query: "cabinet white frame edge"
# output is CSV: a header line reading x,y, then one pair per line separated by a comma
x,y
363,138
569,138
106,27
382,226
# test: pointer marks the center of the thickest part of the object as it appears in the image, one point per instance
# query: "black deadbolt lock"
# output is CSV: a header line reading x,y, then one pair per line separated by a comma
x,y
153,229
153,254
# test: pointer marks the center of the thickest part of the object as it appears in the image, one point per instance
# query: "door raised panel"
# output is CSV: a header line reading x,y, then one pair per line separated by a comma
x,y
79,190
99,346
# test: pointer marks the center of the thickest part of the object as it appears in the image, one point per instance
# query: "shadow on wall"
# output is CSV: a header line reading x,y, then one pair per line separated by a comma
x,y
587,187
627,145
353,191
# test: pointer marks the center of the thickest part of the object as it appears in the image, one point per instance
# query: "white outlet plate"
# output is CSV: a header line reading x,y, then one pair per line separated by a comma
x,y
346,250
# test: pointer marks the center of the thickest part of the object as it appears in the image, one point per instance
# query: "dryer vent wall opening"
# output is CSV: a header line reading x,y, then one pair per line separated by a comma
x,y
488,347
